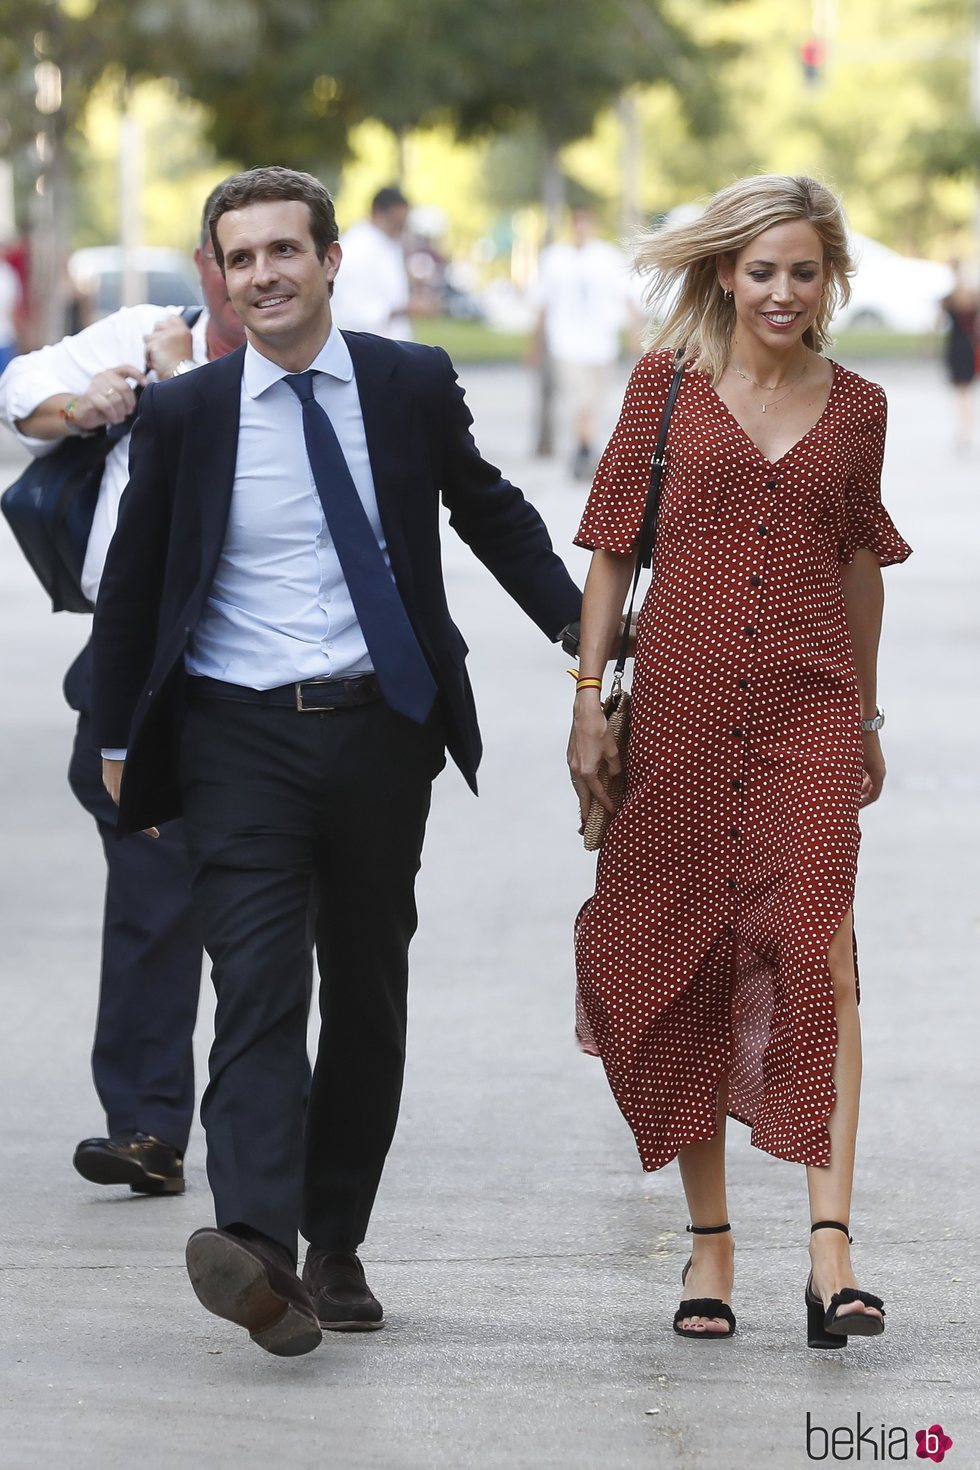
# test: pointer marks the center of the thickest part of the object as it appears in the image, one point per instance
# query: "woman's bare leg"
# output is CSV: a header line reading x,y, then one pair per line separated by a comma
x,y
830,1188
712,1272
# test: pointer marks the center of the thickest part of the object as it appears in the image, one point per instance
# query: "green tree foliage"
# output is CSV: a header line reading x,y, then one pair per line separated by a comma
x,y
288,79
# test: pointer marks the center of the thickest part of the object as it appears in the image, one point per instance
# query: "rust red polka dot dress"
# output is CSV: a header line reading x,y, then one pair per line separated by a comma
x,y
732,861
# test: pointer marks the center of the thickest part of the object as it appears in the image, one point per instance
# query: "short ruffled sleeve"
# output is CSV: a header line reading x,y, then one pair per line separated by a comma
x,y
614,510
866,521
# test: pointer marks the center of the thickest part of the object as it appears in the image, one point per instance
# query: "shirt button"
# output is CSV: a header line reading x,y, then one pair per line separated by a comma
x,y
743,683
771,484
737,732
749,630
729,931
763,530
756,581
733,831
736,782
731,883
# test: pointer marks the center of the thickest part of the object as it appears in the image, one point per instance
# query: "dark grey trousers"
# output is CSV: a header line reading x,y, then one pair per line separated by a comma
x,y
303,829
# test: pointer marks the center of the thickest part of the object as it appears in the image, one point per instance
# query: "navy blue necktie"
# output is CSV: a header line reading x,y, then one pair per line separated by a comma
x,y
405,678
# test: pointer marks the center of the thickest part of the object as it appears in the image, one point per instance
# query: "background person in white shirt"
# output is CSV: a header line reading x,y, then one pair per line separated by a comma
x,y
374,294
584,303
142,1061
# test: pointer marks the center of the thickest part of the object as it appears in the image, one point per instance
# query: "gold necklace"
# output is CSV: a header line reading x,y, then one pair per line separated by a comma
x,y
763,389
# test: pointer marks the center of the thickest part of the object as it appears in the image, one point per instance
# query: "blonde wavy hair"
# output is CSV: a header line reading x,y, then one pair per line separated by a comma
x,y
685,297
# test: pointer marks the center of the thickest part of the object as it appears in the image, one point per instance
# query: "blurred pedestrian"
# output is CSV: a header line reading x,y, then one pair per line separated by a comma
x,y
374,292
273,645
962,349
716,961
142,1061
9,303
584,302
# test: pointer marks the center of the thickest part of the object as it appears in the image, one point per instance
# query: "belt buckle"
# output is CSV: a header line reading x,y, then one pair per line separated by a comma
x,y
312,709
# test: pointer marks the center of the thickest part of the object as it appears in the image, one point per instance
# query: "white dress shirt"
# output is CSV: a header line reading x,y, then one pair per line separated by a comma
x,y
69,366
279,610
371,291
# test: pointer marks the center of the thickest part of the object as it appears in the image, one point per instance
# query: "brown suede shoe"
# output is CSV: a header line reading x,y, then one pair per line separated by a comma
x,y
146,1164
342,1299
251,1281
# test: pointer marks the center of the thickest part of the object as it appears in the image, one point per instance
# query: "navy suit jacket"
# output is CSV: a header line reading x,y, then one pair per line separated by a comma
x,y
172,523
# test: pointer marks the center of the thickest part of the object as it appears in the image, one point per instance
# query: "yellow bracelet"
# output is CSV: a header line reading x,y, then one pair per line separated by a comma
x,y
588,684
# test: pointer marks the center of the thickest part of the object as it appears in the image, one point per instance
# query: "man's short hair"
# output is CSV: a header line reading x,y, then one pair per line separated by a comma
x,y
260,185
387,198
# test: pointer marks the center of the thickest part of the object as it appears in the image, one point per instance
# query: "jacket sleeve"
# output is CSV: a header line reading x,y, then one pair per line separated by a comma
x,y
499,525
128,606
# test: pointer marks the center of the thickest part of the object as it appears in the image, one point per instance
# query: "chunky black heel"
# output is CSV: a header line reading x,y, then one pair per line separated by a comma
x,y
703,1306
824,1327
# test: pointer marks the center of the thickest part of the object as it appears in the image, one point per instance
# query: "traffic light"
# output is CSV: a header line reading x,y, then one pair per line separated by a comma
x,y
812,55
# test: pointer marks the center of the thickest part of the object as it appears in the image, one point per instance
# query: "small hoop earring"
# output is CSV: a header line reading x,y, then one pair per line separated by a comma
x,y
728,295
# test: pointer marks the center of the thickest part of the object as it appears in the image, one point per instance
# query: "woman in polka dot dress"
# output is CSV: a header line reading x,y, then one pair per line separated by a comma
x,y
716,962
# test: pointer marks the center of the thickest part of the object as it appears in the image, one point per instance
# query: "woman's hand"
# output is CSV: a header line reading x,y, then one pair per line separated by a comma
x,y
874,768
591,748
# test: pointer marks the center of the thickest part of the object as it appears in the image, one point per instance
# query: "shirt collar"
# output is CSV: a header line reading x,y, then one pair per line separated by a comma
x,y
334,358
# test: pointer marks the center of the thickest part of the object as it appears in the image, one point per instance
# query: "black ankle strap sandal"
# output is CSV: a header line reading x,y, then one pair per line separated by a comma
x,y
703,1306
825,1327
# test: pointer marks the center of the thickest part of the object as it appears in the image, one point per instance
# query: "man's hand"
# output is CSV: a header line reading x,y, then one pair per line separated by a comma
x,y
617,642
109,398
169,343
112,774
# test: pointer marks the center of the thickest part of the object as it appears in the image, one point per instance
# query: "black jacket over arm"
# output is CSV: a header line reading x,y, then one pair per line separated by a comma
x,y
172,523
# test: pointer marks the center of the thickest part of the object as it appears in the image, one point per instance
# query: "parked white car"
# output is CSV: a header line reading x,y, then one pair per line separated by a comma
x,y
169,277
892,292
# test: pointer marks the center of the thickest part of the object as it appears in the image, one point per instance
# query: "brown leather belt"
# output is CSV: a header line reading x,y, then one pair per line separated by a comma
x,y
313,696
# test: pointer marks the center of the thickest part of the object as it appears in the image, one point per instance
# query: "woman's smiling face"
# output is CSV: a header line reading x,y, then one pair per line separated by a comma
x,y
777,281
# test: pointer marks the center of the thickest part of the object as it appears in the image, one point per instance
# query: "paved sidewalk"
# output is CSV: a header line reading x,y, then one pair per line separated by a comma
x,y
528,1267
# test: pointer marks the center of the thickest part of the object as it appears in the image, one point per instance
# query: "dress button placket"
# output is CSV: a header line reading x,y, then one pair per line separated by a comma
x,y
749,631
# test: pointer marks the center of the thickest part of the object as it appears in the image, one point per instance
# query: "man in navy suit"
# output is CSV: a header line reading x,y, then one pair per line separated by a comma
x,y
275,659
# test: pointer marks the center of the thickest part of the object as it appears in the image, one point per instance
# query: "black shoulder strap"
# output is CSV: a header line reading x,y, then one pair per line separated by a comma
x,y
647,539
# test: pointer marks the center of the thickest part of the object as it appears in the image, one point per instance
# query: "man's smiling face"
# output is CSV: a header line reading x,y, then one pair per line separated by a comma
x,y
276,282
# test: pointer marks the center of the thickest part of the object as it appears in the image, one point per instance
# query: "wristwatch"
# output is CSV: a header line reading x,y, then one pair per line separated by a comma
x,y
187,365
876,723
569,638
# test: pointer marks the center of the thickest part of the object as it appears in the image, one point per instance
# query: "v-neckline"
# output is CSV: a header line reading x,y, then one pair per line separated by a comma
x,y
772,463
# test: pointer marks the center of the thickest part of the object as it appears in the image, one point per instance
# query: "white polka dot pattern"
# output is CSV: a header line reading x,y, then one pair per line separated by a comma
x,y
732,861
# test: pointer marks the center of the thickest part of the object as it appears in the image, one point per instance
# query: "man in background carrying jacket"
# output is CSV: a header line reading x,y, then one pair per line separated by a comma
x,y
142,1059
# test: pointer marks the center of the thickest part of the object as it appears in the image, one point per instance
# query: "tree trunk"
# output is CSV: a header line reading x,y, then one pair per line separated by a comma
x,y
48,225
630,164
553,199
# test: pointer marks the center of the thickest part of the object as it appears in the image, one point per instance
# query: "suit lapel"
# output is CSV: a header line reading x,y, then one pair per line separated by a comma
x,y
216,453
387,428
